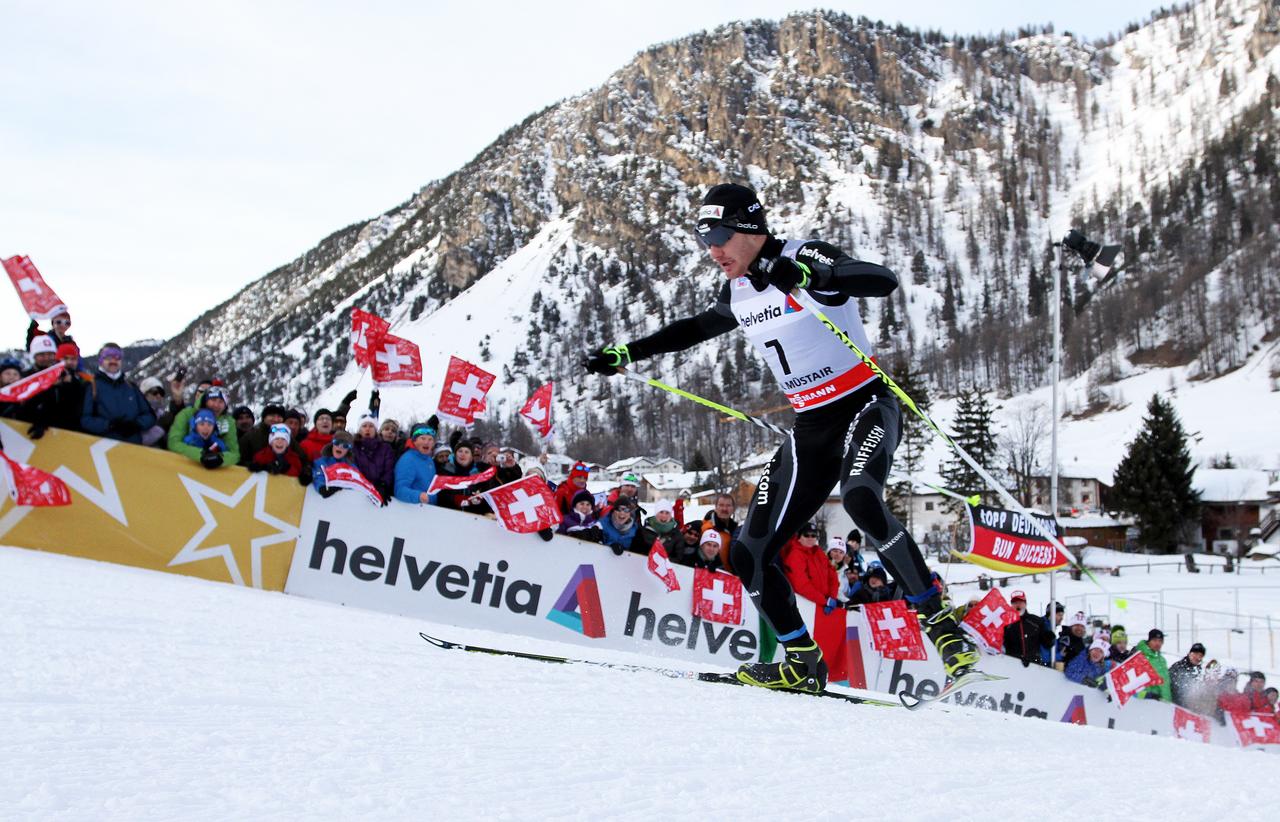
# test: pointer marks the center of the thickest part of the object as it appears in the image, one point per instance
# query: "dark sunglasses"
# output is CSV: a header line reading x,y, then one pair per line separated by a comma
x,y
715,236
62,322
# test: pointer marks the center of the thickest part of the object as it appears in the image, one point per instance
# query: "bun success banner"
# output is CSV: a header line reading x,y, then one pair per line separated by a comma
x,y
1007,541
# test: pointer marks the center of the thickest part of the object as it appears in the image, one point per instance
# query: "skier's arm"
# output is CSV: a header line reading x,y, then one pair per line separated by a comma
x,y
676,336
822,267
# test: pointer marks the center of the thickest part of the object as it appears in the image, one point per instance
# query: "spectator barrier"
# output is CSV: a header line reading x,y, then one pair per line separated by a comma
x,y
155,509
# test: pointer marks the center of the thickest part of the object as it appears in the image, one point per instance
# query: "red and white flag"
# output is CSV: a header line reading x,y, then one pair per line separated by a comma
x,y
538,410
1256,728
31,486
717,596
895,631
27,387
446,482
346,475
986,620
525,506
660,566
37,297
367,331
396,361
1189,725
1131,676
462,395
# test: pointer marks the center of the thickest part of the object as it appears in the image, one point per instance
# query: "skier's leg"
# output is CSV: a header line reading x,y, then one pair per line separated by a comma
x,y
868,457
794,485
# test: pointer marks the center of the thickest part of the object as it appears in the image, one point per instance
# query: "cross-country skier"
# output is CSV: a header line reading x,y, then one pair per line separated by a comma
x,y
847,423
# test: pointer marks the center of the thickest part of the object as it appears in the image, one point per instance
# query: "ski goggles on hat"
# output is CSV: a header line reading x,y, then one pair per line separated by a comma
x,y
713,235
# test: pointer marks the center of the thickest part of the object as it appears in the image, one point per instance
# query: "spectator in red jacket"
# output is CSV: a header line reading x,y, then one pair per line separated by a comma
x,y
807,568
276,457
320,435
568,489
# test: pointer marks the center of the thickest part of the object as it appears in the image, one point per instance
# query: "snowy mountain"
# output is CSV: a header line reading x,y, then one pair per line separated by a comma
x,y
954,161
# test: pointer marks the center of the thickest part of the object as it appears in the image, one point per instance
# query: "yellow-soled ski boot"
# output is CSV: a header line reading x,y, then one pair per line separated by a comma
x,y
801,669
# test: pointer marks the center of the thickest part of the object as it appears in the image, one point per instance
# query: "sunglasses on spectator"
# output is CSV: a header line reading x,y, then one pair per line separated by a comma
x,y
62,322
808,535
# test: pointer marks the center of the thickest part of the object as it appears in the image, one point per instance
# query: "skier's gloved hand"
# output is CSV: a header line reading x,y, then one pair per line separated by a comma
x,y
608,360
832,604
783,273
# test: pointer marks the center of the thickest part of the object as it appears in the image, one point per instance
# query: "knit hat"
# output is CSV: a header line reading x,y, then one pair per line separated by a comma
x,y
624,502
343,438
216,392
68,349
1078,619
664,505
579,469
875,569
279,431
321,412
242,411
1197,648
584,496
1118,635
442,449
42,344
8,363
836,544
366,418
729,208
294,414
146,386
853,536
204,415
711,535
1155,633
630,479
1100,645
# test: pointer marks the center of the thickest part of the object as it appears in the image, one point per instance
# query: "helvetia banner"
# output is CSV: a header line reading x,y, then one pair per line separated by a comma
x,y
1007,541
155,509
460,569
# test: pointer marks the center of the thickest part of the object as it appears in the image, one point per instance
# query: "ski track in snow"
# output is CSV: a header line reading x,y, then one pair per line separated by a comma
x,y
128,694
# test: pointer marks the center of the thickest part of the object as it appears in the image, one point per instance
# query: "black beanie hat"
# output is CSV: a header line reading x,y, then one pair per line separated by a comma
x,y
732,206
322,412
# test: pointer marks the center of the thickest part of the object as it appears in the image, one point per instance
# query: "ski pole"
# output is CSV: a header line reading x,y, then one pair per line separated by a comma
x,y
724,409
1004,495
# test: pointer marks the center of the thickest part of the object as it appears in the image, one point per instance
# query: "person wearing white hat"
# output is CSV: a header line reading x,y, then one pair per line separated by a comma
x,y
1090,668
663,523
1072,640
43,351
709,549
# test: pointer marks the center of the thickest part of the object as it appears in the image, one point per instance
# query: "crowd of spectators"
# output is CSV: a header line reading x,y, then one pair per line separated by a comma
x,y
199,422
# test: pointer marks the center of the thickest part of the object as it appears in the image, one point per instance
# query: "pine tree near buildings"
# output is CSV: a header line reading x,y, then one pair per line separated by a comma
x,y
972,431
1153,481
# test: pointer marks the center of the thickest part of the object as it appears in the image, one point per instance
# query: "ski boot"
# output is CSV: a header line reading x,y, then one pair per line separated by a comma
x,y
958,652
801,669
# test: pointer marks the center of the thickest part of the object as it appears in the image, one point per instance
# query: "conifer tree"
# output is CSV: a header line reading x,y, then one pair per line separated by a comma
x,y
909,458
1153,481
972,431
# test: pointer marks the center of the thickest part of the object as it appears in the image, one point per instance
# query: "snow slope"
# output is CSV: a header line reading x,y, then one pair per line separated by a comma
x,y
127,694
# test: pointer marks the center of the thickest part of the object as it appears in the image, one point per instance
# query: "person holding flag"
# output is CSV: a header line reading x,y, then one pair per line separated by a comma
x,y
847,423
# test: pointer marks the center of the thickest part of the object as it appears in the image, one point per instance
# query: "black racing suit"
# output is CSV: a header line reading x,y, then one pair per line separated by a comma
x,y
849,441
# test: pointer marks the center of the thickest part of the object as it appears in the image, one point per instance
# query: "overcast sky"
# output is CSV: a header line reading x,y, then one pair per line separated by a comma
x,y
156,157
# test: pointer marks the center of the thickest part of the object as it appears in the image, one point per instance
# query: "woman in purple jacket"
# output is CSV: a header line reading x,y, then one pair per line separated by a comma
x,y
375,457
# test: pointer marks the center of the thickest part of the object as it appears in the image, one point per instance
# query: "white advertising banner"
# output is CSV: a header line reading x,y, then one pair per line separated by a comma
x,y
460,569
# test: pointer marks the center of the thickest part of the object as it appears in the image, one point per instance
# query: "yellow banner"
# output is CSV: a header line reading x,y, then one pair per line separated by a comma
x,y
155,509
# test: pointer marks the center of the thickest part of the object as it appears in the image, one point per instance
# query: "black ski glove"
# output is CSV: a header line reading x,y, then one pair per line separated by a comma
x,y
125,427
349,398
36,431
327,492
546,534
617,549
255,467
375,403
607,361
783,273
210,458
304,478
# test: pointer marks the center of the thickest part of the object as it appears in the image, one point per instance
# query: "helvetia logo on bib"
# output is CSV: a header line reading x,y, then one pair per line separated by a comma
x,y
578,607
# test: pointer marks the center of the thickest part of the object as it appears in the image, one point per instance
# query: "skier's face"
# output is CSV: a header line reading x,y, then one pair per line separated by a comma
x,y
736,254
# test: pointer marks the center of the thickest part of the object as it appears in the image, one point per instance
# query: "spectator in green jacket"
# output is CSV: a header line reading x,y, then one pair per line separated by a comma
x,y
215,399
1150,648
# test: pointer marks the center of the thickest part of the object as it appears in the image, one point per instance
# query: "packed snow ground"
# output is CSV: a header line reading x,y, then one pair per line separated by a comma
x,y
128,694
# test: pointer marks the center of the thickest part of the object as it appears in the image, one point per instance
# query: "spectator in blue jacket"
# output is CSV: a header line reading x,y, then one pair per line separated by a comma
x,y
416,467
113,406
620,530
338,450
203,435
1090,668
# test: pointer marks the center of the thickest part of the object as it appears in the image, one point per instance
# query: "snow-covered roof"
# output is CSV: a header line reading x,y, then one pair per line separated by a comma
x,y
629,462
1095,521
675,481
1231,484
1274,488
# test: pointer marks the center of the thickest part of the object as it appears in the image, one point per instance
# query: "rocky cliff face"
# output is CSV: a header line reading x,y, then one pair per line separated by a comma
x,y
956,162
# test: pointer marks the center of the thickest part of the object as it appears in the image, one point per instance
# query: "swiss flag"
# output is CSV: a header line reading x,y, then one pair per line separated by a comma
x,y
525,506
443,482
986,620
396,361
1256,728
538,410
367,331
1189,725
37,297
27,387
717,596
31,486
895,631
1131,676
462,395
346,475
660,566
